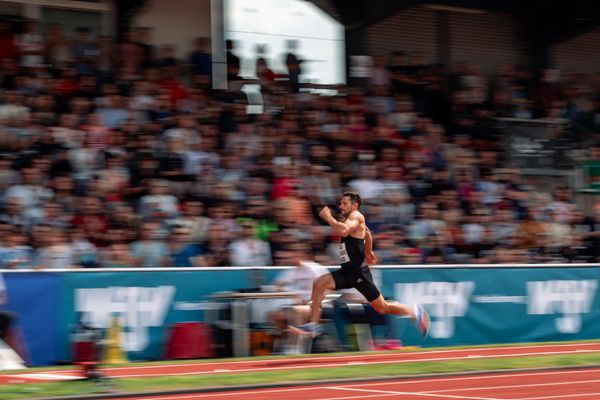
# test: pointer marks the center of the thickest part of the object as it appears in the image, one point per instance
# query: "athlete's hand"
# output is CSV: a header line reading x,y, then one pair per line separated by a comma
x,y
371,258
325,213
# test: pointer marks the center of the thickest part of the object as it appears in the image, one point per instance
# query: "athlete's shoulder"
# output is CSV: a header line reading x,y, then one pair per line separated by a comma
x,y
356,215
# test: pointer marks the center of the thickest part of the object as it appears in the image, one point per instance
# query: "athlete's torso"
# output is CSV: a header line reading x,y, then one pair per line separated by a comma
x,y
352,252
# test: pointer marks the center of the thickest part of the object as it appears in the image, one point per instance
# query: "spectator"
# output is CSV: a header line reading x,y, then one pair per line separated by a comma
x,y
31,45
85,252
158,200
149,250
57,253
84,51
248,250
15,253
293,65
31,192
183,250
216,252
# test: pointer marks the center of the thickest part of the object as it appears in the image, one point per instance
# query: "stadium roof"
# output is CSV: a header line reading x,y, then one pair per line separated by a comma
x,y
548,21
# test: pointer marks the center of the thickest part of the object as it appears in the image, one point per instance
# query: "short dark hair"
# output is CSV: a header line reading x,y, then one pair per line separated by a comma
x,y
354,197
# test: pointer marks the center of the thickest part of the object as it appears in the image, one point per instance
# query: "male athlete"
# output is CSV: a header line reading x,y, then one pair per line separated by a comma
x,y
356,246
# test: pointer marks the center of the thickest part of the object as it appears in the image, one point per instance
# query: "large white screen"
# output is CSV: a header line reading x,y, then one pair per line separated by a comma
x,y
320,38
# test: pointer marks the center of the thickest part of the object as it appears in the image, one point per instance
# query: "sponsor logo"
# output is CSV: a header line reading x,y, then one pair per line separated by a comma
x,y
137,307
566,298
444,301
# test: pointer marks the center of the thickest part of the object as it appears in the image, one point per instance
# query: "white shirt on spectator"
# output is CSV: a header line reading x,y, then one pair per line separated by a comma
x,y
163,202
31,197
367,188
56,257
250,253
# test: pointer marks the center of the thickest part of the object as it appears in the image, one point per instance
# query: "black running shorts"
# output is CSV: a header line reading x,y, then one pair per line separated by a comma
x,y
359,278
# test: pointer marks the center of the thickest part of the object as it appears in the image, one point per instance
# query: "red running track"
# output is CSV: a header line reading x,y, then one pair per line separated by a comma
x,y
286,364
580,384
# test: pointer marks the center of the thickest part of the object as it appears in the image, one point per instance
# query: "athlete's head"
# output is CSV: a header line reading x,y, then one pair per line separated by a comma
x,y
350,202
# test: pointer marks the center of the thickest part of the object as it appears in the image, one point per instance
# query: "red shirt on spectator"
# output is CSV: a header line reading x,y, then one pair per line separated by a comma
x,y
176,90
8,48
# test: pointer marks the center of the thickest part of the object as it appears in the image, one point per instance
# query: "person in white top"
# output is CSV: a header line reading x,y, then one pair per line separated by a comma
x,y
249,251
298,280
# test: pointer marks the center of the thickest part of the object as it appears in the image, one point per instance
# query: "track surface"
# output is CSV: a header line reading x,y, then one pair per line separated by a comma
x,y
548,385
286,364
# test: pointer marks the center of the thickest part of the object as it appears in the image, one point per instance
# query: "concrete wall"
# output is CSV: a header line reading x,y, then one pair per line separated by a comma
x,y
175,22
578,54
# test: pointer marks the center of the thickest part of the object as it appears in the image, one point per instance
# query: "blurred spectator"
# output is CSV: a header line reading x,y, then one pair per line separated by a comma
x,y
85,252
248,250
293,65
97,137
91,218
31,192
84,50
216,252
57,253
193,218
117,255
15,253
31,45
158,202
233,62
183,250
149,250
200,60
298,280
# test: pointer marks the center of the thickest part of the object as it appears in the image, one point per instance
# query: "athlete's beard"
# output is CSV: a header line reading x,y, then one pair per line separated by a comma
x,y
345,214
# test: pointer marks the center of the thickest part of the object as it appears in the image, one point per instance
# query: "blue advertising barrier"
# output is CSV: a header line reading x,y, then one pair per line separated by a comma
x,y
33,298
499,305
474,305
146,302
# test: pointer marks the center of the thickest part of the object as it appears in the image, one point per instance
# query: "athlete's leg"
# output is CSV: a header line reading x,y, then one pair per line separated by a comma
x,y
382,306
368,289
320,286
417,314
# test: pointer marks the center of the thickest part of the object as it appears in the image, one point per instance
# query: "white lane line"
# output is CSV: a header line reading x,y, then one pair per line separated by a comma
x,y
512,386
364,396
377,392
472,377
294,367
562,396
237,394
45,377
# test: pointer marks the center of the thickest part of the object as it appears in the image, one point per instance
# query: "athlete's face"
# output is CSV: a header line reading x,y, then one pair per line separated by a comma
x,y
346,206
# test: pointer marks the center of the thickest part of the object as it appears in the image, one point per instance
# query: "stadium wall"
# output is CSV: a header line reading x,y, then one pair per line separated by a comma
x,y
482,38
176,22
579,54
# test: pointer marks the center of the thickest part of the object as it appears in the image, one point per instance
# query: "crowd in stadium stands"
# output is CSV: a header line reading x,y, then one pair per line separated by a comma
x,y
119,154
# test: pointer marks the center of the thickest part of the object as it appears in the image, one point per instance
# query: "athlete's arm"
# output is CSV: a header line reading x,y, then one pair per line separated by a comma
x,y
369,254
340,228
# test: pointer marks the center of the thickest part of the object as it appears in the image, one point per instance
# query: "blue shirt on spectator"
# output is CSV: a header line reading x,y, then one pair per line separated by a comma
x,y
183,258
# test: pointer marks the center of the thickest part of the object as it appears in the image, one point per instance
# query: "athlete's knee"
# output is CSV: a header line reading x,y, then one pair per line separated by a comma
x,y
318,285
322,283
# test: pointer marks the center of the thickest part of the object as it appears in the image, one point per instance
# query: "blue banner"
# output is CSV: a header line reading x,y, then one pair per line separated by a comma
x,y
146,303
33,298
499,305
